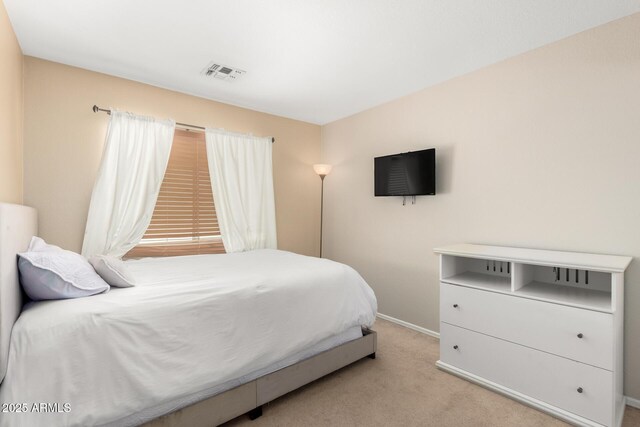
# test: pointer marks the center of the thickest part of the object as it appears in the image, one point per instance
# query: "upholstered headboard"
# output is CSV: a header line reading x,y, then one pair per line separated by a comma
x,y
17,225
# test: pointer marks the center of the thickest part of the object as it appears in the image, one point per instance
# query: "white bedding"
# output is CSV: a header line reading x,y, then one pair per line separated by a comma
x,y
175,404
191,324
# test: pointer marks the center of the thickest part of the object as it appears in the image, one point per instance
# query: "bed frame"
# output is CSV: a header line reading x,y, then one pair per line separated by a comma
x,y
19,223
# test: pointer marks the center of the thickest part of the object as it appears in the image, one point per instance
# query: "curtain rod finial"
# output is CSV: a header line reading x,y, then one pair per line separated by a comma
x,y
95,108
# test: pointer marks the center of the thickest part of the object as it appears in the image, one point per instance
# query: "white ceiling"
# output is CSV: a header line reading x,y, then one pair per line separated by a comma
x,y
316,61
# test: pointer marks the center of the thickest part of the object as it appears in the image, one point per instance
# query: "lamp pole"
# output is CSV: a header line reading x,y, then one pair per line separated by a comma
x,y
321,209
322,170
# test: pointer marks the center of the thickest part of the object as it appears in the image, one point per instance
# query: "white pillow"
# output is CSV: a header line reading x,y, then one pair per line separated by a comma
x,y
48,272
37,245
112,270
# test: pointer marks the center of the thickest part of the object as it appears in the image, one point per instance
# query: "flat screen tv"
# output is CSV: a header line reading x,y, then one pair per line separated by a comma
x,y
406,174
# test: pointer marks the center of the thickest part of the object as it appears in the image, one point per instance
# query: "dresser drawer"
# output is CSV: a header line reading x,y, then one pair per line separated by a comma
x,y
543,376
582,335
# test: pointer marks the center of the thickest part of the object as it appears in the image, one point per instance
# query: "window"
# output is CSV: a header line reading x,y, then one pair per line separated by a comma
x,y
184,220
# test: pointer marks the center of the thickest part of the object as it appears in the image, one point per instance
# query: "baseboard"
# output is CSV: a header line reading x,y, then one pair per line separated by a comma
x,y
410,325
633,402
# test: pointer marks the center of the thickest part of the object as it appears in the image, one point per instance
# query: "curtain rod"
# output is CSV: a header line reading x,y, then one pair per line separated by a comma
x,y
96,109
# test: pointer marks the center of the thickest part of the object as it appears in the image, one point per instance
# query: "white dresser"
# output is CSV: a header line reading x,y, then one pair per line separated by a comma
x,y
542,327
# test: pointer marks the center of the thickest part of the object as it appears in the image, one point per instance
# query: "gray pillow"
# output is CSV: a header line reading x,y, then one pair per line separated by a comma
x,y
48,272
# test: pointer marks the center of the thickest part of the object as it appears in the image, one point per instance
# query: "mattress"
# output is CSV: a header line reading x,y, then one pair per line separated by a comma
x,y
192,327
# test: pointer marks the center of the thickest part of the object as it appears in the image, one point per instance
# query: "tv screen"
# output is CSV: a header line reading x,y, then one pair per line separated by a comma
x,y
406,174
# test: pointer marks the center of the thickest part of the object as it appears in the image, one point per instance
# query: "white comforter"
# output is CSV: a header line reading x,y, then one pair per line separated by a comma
x,y
191,324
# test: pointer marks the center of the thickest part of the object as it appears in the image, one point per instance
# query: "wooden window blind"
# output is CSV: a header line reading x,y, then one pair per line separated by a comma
x,y
184,220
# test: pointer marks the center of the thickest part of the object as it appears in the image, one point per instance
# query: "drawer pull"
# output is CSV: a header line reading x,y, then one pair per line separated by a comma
x,y
455,347
455,305
580,335
580,390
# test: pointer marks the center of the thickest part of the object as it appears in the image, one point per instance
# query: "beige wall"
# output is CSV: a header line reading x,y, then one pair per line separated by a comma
x,y
64,140
11,101
541,151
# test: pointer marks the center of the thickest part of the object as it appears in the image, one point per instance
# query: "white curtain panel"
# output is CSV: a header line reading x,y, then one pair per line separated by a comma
x,y
242,182
133,164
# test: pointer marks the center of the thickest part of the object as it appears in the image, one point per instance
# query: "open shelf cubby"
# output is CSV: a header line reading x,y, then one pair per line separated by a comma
x,y
569,286
478,273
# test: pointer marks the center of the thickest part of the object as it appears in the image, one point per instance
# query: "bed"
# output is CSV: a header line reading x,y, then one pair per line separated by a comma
x,y
199,340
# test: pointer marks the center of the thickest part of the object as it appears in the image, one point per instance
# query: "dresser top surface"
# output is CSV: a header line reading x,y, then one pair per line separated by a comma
x,y
596,262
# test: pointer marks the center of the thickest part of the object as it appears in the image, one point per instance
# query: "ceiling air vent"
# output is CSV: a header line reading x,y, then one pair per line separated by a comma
x,y
222,72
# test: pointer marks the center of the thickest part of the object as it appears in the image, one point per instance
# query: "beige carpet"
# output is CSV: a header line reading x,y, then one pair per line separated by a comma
x,y
402,387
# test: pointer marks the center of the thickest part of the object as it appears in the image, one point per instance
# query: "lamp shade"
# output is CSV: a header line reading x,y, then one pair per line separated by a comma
x,y
322,169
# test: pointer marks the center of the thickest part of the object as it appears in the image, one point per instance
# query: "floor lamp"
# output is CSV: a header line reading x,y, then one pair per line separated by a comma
x,y
322,170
